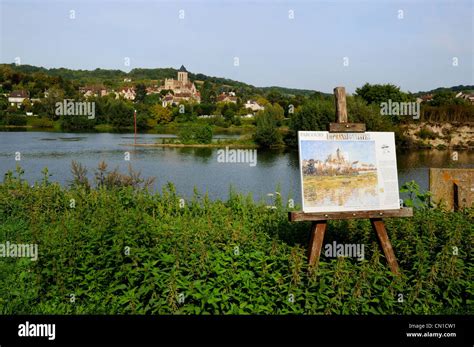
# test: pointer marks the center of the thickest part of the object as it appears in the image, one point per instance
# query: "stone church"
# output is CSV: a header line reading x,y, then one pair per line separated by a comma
x,y
183,89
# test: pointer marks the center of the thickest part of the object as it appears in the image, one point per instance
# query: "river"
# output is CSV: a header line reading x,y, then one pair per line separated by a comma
x,y
186,167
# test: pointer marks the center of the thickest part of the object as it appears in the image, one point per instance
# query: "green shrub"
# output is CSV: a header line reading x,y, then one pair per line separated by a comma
x,y
40,122
13,119
123,250
186,135
196,134
426,133
203,134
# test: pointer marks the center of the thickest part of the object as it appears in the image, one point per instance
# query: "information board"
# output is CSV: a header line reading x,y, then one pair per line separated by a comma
x,y
348,171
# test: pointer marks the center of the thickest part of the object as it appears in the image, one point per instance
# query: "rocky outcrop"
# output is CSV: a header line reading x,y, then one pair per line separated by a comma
x,y
439,135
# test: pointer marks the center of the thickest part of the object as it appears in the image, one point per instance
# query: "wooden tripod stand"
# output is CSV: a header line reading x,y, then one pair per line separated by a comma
x,y
319,220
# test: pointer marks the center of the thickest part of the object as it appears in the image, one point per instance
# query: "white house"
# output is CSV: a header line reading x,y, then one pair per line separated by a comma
x,y
227,97
89,91
253,105
127,92
468,97
17,97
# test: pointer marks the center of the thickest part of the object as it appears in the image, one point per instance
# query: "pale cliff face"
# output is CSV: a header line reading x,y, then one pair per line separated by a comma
x,y
444,135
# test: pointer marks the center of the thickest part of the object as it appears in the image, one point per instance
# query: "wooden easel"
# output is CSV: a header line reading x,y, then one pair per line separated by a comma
x,y
319,220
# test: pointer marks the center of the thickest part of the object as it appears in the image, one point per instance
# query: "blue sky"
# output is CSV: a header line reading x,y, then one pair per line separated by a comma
x,y
363,151
415,53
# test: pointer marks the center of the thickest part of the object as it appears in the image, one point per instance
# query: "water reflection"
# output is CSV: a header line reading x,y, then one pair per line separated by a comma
x,y
343,196
269,157
410,159
341,191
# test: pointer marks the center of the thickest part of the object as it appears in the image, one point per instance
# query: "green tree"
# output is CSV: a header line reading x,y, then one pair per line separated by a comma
x,y
205,109
359,112
445,98
312,115
152,99
55,94
228,112
164,92
3,103
121,113
276,112
140,92
208,94
275,97
378,93
161,114
267,134
26,105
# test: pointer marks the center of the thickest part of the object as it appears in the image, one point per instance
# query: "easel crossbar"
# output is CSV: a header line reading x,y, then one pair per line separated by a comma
x,y
299,216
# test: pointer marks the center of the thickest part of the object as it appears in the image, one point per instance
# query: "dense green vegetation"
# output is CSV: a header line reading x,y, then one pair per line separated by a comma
x,y
220,257
196,134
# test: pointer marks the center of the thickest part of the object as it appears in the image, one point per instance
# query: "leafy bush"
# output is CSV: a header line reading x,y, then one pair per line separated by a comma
x,y
76,122
196,134
127,251
41,122
426,133
203,134
186,135
13,119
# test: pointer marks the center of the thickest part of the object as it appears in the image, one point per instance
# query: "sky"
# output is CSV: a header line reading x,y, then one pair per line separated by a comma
x,y
417,45
363,151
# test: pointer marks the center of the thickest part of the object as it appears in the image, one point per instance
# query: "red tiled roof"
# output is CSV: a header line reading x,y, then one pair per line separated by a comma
x,y
183,95
19,94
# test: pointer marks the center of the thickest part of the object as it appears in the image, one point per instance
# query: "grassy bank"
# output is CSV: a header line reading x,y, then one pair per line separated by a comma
x,y
175,127
220,257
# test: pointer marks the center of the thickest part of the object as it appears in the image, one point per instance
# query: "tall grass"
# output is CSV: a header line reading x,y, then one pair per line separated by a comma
x,y
447,113
123,250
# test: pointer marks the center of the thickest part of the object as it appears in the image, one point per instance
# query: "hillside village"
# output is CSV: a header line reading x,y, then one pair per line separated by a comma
x,y
171,93
174,98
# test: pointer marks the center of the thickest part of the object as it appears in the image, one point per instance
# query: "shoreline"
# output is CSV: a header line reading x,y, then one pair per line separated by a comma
x,y
438,136
197,145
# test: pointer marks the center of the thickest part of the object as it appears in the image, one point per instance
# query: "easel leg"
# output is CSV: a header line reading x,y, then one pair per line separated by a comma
x,y
379,226
317,235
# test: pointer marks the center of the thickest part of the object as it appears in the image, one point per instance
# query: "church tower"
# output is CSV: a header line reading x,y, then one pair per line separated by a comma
x,y
183,75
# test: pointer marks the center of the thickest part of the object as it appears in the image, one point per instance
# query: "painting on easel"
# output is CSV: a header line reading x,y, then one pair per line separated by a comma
x,y
348,171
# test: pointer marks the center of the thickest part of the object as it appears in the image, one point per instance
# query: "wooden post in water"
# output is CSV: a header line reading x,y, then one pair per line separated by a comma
x,y
135,126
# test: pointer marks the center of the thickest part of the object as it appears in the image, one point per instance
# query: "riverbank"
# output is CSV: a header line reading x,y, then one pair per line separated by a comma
x,y
193,145
416,135
429,135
